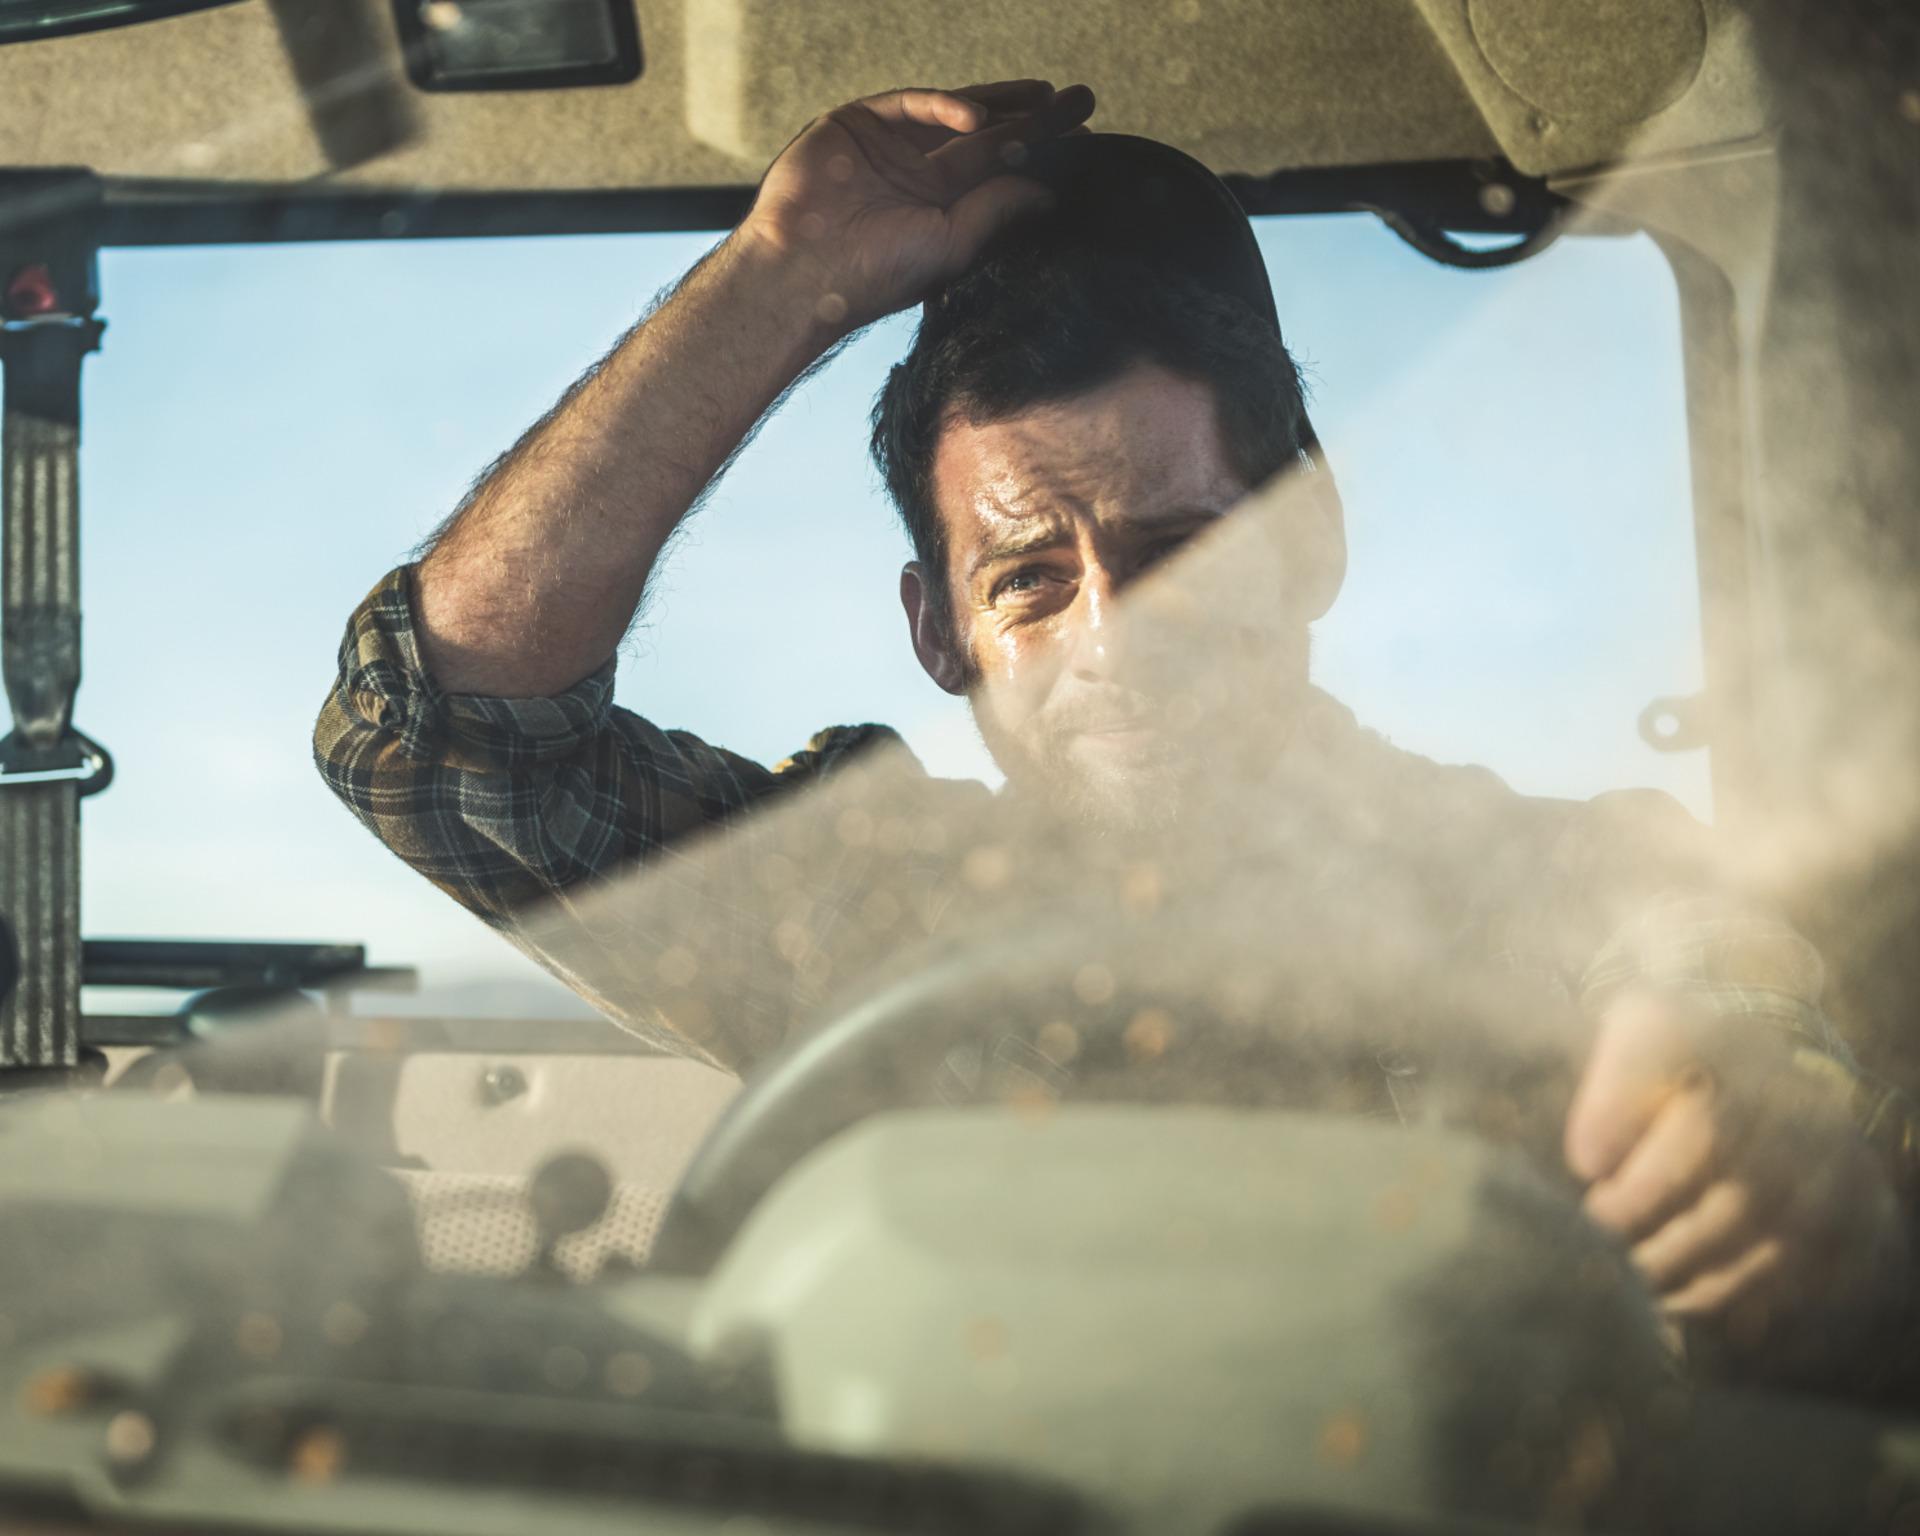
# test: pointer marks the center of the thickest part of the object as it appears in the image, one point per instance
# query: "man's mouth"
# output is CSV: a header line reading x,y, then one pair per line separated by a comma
x,y
1139,731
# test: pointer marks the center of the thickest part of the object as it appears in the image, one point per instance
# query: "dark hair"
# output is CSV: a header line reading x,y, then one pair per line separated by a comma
x,y
1030,326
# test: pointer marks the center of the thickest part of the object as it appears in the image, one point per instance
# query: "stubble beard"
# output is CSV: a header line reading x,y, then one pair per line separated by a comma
x,y
1203,779
1109,801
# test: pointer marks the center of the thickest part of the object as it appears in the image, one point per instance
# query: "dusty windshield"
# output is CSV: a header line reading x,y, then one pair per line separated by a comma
x,y
892,813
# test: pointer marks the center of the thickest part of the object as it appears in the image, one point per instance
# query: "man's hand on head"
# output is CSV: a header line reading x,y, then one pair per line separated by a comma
x,y
1749,1200
882,200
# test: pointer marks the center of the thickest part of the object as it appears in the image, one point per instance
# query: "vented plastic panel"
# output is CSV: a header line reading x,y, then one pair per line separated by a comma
x,y
480,1224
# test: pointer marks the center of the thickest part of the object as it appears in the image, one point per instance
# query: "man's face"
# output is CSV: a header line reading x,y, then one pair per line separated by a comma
x,y
1050,516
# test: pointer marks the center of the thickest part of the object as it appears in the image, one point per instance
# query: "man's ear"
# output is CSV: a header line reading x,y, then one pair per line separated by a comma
x,y
932,636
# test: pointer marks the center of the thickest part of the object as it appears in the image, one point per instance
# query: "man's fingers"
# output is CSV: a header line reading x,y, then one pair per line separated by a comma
x,y
1666,1171
963,111
970,159
1718,1289
1706,1235
1638,1059
1009,95
1000,112
928,109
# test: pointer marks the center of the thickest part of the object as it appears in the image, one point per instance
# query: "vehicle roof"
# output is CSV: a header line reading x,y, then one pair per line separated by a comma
x,y
282,92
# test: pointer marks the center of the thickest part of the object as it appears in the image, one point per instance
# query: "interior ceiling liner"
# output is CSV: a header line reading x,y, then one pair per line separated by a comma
x,y
282,91
1247,86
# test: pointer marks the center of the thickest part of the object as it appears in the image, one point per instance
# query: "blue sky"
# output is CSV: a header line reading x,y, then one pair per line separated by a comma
x,y
270,429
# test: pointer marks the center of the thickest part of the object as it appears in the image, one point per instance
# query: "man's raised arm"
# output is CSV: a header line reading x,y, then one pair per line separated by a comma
x,y
532,584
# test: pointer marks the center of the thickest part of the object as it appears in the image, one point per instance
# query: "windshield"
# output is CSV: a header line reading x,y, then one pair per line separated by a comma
x,y
1511,447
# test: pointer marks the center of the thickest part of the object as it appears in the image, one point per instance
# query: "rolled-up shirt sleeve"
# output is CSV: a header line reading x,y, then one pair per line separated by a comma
x,y
502,802
1728,959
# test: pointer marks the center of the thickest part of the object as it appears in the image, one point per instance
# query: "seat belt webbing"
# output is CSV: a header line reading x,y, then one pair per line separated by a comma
x,y
44,765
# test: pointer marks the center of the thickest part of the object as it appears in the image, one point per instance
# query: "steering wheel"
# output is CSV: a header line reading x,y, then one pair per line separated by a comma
x,y
1187,1013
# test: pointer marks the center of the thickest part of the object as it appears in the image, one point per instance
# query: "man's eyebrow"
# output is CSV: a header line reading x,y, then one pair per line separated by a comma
x,y
1025,542
1186,520
1030,540
1190,512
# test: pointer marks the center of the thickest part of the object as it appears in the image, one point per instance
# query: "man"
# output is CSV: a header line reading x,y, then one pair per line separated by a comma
x,y
1074,416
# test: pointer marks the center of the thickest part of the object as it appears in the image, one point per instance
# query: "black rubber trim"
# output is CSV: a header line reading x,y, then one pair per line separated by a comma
x,y
1443,194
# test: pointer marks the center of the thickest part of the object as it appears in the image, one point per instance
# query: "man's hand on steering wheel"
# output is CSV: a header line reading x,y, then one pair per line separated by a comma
x,y
884,199
1749,1198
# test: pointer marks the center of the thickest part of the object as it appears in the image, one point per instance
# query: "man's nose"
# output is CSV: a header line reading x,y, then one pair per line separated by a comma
x,y
1099,650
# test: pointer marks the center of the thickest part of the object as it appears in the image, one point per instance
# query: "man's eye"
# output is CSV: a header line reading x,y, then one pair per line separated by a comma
x,y
1019,584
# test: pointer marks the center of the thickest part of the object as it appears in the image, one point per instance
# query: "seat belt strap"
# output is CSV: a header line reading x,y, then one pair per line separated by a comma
x,y
45,765
40,908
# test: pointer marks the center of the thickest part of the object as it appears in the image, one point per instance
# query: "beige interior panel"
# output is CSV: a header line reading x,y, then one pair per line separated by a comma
x,y
213,96
642,1116
1249,85
1246,85
209,94
482,1224
1570,86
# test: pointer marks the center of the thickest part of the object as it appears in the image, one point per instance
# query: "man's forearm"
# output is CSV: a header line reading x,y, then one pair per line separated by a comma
x,y
535,581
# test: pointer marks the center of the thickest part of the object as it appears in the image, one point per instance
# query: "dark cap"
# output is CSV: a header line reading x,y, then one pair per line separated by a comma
x,y
1120,192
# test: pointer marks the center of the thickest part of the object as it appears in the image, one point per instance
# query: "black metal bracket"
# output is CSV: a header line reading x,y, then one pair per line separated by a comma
x,y
193,964
228,982
75,758
1429,205
50,228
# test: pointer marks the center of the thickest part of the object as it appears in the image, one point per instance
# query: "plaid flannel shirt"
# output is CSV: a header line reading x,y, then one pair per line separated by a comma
x,y
511,804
